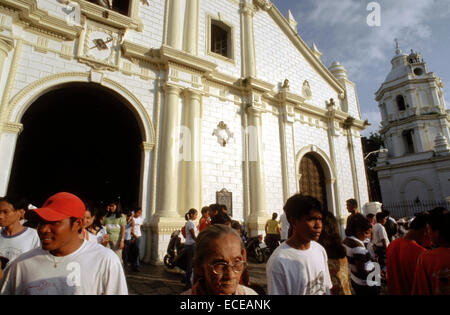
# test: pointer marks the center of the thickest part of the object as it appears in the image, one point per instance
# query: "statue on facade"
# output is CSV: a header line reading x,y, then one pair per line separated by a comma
x,y
223,134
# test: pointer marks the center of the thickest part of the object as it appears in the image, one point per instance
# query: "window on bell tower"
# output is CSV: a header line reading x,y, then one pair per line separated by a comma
x,y
400,103
408,137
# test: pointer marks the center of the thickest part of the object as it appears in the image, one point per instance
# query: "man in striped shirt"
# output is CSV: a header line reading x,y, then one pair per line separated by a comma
x,y
362,268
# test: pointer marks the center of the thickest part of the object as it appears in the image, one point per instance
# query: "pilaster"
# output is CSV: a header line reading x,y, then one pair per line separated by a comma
x,y
258,206
191,182
191,29
248,40
169,157
175,31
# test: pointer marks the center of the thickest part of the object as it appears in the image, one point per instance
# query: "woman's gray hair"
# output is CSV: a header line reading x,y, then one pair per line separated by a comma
x,y
205,237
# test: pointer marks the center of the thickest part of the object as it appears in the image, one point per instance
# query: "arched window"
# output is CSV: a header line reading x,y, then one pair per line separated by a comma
x,y
401,103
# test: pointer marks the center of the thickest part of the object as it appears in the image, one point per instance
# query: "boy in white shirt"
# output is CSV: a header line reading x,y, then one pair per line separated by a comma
x,y
66,264
15,239
380,239
299,265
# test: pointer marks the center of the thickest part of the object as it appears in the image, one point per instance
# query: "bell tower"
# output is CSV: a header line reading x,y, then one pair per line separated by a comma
x,y
415,130
412,107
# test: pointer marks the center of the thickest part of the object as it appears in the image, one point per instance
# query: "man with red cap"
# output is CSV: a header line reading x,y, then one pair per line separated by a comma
x,y
65,264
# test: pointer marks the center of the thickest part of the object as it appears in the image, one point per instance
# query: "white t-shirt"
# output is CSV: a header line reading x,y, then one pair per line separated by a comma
x,y
12,247
284,226
292,271
378,234
189,226
90,270
137,226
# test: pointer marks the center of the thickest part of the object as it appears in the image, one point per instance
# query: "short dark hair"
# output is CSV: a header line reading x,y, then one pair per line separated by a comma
x,y
386,212
420,221
353,202
358,223
381,215
215,207
370,216
435,216
444,227
205,209
221,218
300,205
330,238
16,201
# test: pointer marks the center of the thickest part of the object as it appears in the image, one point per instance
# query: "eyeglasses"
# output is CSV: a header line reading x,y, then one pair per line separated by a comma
x,y
219,267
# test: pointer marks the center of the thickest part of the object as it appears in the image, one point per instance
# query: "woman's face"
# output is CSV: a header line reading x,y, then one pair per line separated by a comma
x,y
138,213
194,216
111,207
226,249
88,218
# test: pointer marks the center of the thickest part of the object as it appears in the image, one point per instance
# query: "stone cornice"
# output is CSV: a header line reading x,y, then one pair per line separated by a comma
x,y
251,83
33,16
427,161
413,119
298,42
171,55
135,51
383,90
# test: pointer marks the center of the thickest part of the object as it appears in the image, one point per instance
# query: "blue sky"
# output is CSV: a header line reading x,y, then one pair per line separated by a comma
x,y
340,30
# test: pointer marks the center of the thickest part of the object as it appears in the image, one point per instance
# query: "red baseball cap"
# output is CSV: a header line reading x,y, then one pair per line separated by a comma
x,y
61,206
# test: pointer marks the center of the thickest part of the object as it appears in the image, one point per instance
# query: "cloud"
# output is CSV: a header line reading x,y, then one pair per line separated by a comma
x,y
357,45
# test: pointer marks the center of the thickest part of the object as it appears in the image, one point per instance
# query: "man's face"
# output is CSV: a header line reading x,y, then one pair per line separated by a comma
x,y
58,234
349,207
308,227
8,215
226,249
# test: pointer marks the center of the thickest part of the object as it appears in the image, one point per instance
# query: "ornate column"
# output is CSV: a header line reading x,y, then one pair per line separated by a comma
x,y
191,193
248,41
332,134
258,210
175,30
191,27
8,140
167,218
351,151
169,159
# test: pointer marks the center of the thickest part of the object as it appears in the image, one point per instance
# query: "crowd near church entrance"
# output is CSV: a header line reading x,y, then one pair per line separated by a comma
x,y
81,138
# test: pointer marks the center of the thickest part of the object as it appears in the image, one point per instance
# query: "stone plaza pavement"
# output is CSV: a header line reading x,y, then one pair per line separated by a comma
x,y
159,280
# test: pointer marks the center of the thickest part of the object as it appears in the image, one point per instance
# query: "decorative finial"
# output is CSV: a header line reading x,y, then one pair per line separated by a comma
x,y
397,48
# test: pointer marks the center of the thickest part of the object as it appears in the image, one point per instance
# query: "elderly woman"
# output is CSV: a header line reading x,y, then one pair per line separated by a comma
x,y
219,263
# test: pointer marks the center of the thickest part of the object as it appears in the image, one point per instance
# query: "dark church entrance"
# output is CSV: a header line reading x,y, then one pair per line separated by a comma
x,y
312,181
80,138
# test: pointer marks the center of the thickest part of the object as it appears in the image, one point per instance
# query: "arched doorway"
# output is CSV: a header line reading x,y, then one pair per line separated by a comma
x,y
312,180
81,138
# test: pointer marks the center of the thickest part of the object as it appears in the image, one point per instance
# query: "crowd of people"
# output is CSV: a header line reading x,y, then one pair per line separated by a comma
x,y
70,246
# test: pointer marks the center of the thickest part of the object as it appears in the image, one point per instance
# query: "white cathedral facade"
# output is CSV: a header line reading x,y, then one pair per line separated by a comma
x,y
415,165
229,102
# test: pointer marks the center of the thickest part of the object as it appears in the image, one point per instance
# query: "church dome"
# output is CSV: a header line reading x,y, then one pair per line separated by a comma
x,y
338,70
400,68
